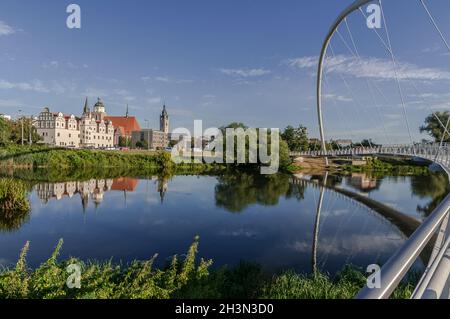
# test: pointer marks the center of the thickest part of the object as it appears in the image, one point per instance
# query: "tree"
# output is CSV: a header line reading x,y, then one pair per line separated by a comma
x,y
124,141
5,131
142,144
434,128
296,138
284,157
11,131
367,143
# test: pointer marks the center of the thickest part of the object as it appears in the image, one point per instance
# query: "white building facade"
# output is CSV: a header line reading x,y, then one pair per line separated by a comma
x,y
89,131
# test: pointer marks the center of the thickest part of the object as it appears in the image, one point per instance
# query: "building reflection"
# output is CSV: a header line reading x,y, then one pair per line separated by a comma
x,y
94,189
364,182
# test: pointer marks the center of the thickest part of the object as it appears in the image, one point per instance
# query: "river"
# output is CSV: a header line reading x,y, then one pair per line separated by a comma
x,y
267,220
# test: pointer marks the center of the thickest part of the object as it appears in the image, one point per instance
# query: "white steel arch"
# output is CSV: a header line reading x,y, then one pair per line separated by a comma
x,y
350,9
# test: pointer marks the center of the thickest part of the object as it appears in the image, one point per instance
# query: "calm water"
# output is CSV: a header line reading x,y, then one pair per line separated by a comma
x,y
270,221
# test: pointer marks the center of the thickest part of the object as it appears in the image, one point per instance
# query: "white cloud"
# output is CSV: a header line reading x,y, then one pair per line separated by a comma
x,y
10,104
51,64
162,79
245,72
6,29
36,86
338,98
370,67
154,100
209,96
94,92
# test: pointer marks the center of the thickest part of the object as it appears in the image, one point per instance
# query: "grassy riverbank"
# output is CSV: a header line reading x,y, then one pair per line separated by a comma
x,y
44,157
390,166
181,278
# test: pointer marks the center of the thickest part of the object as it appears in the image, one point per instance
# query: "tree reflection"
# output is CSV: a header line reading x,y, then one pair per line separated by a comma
x,y
434,186
235,192
12,221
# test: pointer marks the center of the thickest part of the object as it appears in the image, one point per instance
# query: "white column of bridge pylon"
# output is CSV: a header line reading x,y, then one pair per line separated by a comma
x,y
353,7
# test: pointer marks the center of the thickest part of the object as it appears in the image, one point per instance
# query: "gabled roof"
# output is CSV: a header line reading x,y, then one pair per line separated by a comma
x,y
125,184
129,124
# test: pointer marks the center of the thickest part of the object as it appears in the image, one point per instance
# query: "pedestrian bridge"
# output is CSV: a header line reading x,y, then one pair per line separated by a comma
x,y
435,282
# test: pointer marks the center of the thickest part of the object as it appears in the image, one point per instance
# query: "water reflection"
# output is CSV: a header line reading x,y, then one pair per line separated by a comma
x,y
236,192
271,220
94,189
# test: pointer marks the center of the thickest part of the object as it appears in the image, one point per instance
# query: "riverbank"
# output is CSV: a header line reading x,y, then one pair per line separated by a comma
x,y
186,278
373,165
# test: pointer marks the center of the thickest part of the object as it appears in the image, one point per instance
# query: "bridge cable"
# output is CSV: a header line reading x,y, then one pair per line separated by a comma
x,y
358,58
405,75
348,87
433,21
346,126
397,77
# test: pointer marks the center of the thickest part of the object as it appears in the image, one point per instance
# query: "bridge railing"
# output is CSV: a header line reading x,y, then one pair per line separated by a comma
x,y
395,269
432,152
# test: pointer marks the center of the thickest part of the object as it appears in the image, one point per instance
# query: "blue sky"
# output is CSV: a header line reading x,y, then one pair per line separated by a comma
x,y
223,61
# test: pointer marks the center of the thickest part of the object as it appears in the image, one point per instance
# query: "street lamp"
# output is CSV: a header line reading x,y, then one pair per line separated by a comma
x,y
21,123
148,134
31,129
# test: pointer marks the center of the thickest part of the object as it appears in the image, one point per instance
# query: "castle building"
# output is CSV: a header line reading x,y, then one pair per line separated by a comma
x,y
91,130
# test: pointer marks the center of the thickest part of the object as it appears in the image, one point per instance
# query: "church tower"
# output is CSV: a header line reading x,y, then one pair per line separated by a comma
x,y
99,110
164,121
99,107
86,109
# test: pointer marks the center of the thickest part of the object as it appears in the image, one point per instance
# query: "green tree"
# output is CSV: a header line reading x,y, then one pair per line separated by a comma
x,y
124,141
142,144
434,128
5,132
16,131
296,138
284,157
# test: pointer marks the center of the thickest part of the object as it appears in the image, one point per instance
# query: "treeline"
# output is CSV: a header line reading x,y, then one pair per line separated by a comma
x,y
11,131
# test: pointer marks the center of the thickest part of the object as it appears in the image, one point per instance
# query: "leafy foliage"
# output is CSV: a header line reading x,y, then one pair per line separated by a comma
x,y
180,279
434,128
11,131
296,138
14,204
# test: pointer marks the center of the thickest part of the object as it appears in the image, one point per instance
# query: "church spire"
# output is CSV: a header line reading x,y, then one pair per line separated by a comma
x,y
126,113
86,107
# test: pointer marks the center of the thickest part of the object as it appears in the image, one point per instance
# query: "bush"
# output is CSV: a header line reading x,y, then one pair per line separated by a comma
x,y
13,196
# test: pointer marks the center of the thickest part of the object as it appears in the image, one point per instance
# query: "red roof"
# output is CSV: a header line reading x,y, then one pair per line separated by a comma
x,y
125,124
125,184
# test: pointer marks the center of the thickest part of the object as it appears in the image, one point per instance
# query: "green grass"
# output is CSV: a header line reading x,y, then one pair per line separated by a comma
x,y
13,196
385,166
14,204
181,278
